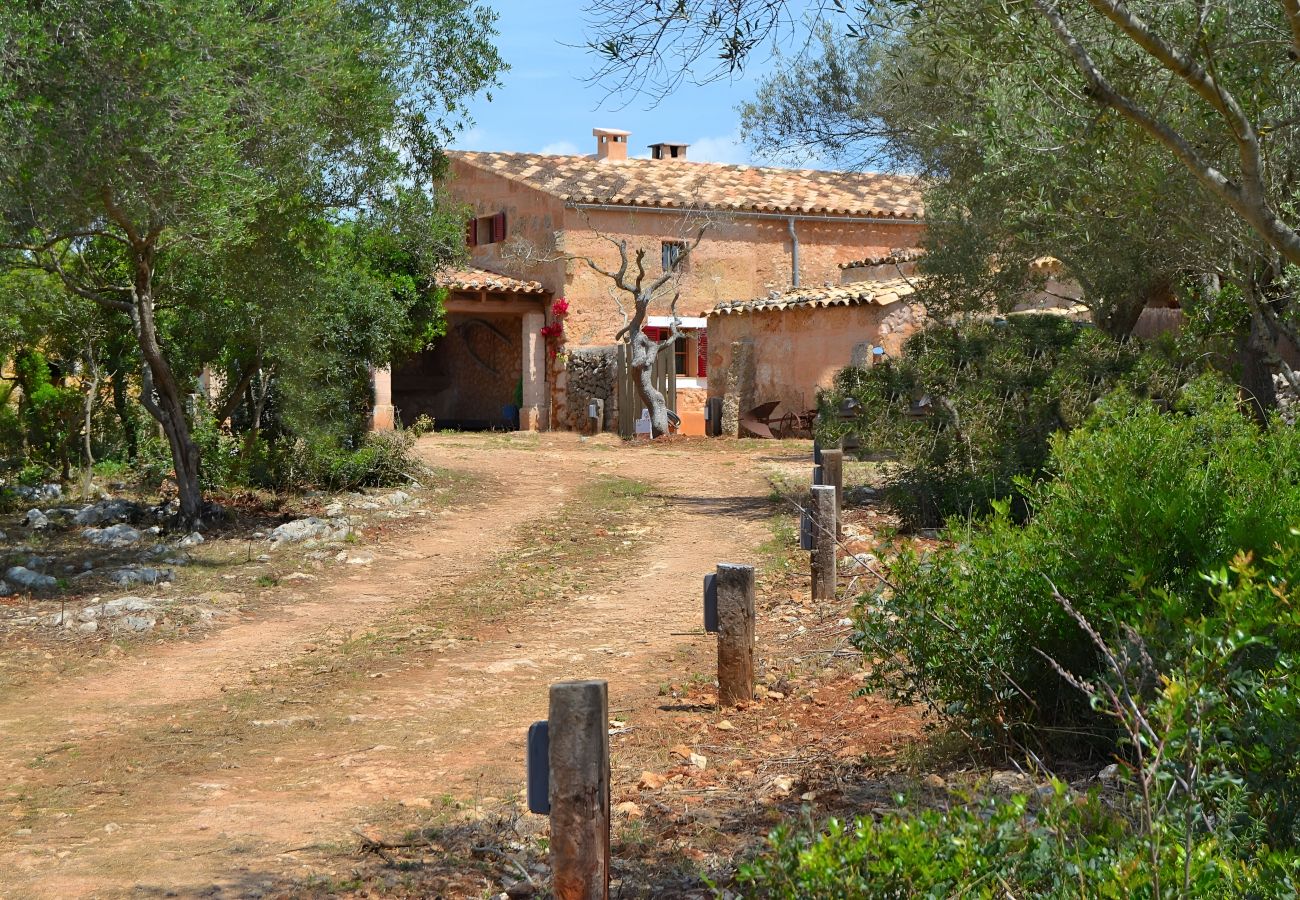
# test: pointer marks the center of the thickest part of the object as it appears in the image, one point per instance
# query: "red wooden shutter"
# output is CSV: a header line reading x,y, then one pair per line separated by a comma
x,y
471,233
498,228
702,358
652,332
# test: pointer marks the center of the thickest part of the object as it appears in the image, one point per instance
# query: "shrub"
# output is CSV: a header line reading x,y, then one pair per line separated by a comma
x,y
1140,502
382,459
1210,798
1072,847
50,414
971,406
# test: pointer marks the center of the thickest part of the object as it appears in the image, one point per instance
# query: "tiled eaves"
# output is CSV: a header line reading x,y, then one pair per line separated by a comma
x,y
896,256
879,293
469,278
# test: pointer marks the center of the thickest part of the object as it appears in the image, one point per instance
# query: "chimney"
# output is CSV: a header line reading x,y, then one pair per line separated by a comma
x,y
611,143
667,150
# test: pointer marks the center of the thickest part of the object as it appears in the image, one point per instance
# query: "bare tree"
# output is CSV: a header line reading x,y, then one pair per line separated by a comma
x,y
634,291
630,279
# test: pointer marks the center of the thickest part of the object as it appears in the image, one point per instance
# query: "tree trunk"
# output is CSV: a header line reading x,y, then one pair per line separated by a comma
x,y
88,410
161,394
1256,381
118,380
644,353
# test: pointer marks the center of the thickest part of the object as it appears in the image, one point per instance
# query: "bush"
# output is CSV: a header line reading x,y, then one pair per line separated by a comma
x,y
971,406
382,459
1070,848
1210,798
1139,504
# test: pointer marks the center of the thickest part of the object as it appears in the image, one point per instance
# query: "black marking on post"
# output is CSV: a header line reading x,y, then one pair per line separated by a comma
x,y
711,602
805,531
817,453
539,768
819,474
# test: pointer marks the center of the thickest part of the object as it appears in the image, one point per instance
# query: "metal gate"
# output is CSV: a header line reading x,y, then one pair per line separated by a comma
x,y
664,377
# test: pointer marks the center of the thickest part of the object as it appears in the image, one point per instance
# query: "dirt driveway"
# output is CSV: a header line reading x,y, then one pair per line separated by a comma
x,y
213,768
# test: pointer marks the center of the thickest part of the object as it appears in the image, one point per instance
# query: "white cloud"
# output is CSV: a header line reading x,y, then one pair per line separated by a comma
x,y
725,149
561,148
473,139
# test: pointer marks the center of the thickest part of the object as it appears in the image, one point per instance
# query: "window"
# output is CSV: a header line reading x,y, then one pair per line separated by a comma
x,y
681,356
486,230
672,253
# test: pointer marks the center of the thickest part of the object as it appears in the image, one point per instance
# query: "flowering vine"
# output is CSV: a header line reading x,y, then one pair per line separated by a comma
x,y
554,332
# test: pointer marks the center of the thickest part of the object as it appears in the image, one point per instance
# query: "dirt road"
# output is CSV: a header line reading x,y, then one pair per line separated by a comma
x,y
210,768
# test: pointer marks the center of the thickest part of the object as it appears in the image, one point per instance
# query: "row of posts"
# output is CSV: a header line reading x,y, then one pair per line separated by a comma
x,y
568,753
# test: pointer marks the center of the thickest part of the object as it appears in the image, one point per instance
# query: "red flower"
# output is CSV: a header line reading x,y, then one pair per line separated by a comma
x,y
560,308
555,329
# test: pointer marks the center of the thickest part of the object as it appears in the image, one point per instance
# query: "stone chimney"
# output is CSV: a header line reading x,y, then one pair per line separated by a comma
x,y
667,150
611,143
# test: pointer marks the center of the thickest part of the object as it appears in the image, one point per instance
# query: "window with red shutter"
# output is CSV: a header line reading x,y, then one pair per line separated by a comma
x,y
498,228
702,358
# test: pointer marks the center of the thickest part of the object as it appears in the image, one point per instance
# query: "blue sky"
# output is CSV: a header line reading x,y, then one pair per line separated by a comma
x,y
547,106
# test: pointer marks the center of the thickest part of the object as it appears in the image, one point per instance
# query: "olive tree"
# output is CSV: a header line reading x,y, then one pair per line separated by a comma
x,y
144,129
1141,142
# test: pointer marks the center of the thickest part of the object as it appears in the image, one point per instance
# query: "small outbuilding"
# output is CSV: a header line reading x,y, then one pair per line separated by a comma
x,y
785,346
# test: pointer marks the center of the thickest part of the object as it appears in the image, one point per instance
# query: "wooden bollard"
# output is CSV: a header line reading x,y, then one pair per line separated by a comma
x,y
833,474
824,530
735,634
579,754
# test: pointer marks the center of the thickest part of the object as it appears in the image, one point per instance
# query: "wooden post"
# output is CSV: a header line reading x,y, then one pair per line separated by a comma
x,y
833,474
579,734
824,528
735,634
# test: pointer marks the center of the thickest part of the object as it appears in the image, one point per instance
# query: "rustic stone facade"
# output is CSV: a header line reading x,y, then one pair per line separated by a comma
x,y
586,374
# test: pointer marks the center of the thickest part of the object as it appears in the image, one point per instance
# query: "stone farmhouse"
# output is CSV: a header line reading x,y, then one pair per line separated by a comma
x,y
773,233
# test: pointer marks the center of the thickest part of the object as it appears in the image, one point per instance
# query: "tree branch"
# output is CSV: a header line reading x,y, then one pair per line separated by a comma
x,y
1249,204
81,291
1291,10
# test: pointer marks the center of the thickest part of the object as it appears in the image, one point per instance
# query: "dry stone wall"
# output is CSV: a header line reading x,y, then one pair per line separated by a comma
x,y
589,373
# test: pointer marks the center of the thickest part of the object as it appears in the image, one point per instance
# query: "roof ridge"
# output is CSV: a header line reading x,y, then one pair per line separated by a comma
x,y
705,185
592,158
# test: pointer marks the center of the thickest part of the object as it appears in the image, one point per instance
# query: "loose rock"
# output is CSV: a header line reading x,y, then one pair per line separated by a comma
x,y
36,520
113,537
137,623
106,511
308,529
39,492
27,579
141,575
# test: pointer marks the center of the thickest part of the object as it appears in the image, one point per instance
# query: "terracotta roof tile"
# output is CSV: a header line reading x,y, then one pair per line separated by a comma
x,y
881,293
685,184
468,278
893,257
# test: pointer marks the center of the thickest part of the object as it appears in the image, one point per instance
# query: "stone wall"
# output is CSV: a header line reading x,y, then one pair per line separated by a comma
x,y
786,355
588,373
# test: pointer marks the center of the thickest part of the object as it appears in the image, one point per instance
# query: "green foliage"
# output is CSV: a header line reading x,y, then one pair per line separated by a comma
x,y
1068,848
382,459
1227,712
188,161
49,413
1139,502
1210,731
971,406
